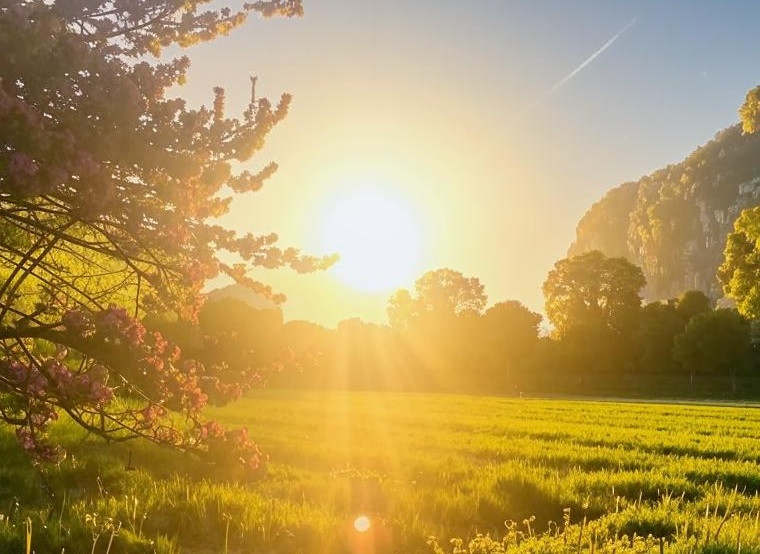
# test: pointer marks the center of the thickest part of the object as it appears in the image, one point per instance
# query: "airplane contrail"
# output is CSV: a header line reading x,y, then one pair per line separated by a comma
x,y
580,68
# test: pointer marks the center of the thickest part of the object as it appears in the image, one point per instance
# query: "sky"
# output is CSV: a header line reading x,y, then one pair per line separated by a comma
x,y
495,123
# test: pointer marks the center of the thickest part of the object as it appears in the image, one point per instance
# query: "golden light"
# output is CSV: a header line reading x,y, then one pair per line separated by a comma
x,y
377,235
362,524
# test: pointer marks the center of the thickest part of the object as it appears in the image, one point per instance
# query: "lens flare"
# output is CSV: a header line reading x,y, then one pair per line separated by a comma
x,y
362,524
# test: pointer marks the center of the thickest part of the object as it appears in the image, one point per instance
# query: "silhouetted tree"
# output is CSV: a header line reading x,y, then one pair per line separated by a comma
x,y
507,339
692,303
658,324
311,346
714,342
242,342
368,356
438,323
439,293
593,302
592,289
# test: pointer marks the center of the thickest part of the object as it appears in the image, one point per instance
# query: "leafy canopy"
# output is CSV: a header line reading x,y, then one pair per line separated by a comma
x,y
109,194
441,293
592,290
740,271
716,342
749,112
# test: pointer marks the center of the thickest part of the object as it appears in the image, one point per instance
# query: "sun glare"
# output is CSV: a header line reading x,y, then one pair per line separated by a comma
x,y
362,524
377,236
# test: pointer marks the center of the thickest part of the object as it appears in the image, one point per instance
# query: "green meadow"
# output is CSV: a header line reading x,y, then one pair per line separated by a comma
x,y
433,473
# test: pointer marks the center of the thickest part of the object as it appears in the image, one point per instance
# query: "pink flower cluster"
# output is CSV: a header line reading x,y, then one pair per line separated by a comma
x,y
113,324
34,444
151,414
53,379
88,387
32,434
230,446
24,378
116,323
128,360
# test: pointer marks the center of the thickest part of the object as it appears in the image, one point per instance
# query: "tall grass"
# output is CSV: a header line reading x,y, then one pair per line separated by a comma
x,y
489,473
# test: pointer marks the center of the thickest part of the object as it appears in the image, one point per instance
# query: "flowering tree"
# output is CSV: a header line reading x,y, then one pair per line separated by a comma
x,y
108,191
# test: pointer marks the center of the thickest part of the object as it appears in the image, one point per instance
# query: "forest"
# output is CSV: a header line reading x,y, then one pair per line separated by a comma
x,y
603,340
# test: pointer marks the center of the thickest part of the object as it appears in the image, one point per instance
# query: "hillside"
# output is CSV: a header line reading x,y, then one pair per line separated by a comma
x,y
674,222
246,295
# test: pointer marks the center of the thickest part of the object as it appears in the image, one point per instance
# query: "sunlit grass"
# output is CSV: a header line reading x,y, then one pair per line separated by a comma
x,y
413,466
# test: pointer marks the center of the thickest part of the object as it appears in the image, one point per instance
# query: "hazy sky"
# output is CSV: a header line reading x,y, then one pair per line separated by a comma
x,y
500,122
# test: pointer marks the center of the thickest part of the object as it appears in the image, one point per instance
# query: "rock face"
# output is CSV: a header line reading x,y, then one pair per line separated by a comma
x,y
674,222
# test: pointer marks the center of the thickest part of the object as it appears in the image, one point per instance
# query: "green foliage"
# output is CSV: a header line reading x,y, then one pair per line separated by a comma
x,y
749,112
662,223
591,290
611,346
594,302
716,342
514,322
658,325
740,271
692,303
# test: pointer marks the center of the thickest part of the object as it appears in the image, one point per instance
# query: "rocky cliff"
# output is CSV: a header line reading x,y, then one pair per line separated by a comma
x,y
674,222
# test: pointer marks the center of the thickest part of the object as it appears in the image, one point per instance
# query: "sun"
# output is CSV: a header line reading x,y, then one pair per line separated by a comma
x,y
377,236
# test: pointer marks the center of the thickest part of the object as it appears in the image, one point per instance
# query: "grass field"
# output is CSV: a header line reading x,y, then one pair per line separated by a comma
x,y
535,475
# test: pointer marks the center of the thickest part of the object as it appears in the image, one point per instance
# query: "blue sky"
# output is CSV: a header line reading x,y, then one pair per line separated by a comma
x,y
449,100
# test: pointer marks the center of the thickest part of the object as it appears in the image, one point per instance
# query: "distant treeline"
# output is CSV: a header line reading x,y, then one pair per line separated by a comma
x,y
442,338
